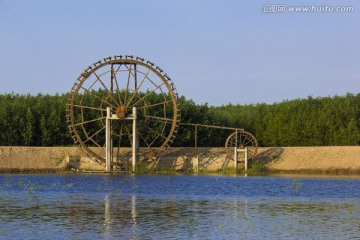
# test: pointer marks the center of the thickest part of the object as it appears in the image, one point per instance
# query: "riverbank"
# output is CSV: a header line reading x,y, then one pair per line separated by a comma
x,y
330,160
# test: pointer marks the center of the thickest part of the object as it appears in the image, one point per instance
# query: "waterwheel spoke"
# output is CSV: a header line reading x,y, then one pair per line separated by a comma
x,y
148,94
155,104
117,85
247,140
119,144
246,143
97,132
101,74
90,121
143,138
128,82
120,135
129,136
97,144
157,133
118,152
110,94
97,97
92,108
138,87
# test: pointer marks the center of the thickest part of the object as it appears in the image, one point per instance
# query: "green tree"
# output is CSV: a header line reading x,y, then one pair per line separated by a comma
x,y
27,133
353,133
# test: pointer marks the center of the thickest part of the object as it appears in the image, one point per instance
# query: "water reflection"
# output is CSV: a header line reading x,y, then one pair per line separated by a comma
x,y
133,212
107,221
179,207
234,218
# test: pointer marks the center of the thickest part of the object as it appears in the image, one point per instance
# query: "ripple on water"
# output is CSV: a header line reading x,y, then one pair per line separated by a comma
x,y
153,207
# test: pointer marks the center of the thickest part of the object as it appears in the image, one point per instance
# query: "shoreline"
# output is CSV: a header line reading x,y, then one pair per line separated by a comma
x,y
328,160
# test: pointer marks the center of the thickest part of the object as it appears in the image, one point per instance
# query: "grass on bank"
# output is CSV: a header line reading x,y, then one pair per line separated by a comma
x,y
30,170
143,168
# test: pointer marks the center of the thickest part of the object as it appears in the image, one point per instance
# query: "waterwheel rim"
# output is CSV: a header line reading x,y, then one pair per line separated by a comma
x,y
123,82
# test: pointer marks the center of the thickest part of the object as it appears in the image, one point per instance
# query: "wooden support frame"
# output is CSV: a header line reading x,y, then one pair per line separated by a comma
x,y
109,144
236,158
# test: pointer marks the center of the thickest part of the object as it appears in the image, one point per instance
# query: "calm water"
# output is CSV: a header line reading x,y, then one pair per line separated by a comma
x,y
181,207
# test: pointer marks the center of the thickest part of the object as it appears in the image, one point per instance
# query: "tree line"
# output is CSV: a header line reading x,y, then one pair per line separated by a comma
x,y
40,120
322,121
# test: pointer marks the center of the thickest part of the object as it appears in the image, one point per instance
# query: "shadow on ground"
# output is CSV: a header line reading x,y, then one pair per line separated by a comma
x,y
182,159
267,156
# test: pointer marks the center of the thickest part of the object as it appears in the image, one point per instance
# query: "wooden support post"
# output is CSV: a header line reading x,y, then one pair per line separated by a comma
x,y
236,151
236,155
108,141
246,158
235,159
196,152
196,164
196,159
135,140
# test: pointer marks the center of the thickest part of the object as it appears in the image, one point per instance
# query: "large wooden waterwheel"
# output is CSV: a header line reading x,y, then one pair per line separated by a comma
x,y
122,82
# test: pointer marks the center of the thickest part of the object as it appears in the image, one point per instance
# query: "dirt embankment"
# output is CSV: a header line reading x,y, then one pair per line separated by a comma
x,y
287,159
321,159
43,158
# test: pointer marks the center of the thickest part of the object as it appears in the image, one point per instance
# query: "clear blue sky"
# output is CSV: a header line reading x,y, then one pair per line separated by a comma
x,y
216,51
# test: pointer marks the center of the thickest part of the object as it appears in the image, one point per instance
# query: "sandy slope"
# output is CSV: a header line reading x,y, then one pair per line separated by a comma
x,y
278,159
318,158
40,157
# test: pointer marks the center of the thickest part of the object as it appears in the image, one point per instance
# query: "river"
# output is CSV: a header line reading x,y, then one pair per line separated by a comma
x,y
122,206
